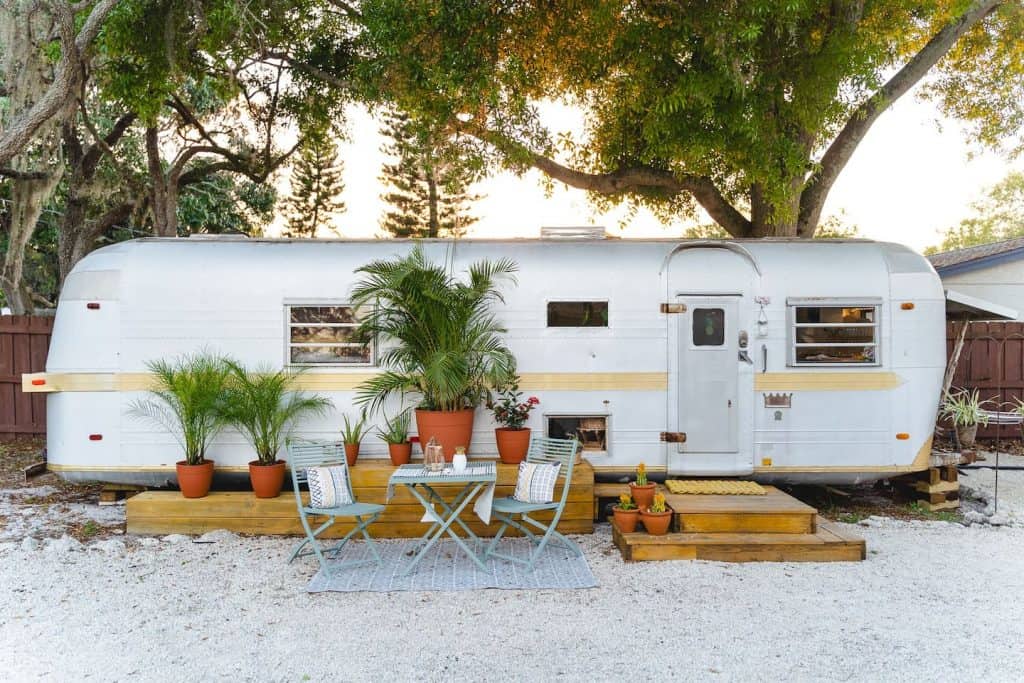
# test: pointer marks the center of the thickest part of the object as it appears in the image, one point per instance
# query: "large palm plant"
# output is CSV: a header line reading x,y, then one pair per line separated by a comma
x,y
186,400
264,406
440,336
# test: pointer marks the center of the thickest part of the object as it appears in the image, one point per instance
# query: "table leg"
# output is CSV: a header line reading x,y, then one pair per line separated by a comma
x,y
453,516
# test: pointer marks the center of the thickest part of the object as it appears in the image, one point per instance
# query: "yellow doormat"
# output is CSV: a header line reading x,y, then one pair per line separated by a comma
x,y
715,487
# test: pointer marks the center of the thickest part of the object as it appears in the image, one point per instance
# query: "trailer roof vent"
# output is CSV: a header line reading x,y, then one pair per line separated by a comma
x,y
573,232
227,236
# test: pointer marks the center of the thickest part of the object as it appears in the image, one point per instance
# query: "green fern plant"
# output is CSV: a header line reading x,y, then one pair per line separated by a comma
x,y
187,400
440,337
265,406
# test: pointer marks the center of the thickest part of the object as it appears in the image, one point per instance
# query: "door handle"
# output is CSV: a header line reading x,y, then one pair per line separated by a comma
x,y
745,357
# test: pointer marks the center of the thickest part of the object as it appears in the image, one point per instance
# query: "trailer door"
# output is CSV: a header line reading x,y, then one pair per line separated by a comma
x,y
709,374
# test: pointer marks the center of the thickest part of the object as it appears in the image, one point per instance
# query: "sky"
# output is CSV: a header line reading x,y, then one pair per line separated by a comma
x,y
911,177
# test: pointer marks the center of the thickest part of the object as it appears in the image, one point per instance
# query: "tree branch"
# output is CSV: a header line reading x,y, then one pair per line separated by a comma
x,y
15,174
837,155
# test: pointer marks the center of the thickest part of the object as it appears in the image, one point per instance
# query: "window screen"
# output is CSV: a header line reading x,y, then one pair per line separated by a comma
x,y
835,335
326,335
708,327
577,314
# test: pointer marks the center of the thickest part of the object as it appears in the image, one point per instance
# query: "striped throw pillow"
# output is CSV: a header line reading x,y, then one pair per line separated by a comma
x,y
536,483
328,486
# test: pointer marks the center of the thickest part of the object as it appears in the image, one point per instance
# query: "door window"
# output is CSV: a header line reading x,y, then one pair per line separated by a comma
x,y
708,326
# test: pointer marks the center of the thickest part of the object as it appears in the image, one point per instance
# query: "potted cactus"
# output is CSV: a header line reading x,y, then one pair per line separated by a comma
x,y
641,490
352,434
396,435
625,514
657,517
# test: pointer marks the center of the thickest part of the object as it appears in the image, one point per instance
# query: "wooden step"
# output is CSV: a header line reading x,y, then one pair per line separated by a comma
x,y
776,512
828,543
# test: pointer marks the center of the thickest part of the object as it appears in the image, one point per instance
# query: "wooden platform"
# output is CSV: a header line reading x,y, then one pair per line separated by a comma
x,y
775,512
167,512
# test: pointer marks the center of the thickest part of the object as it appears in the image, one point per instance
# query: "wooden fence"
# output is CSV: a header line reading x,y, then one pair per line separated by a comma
x,y
24,341
992,361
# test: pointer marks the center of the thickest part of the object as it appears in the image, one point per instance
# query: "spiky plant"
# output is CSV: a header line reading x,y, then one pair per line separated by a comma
x,y
353,431
186,400
264,406
396,429
443,340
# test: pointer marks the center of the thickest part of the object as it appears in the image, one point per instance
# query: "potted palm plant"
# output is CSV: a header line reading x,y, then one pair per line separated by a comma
x,y
396,435
625,514
264,406
642,491
965,410
186,399
352,433
441,341
511,412
657,517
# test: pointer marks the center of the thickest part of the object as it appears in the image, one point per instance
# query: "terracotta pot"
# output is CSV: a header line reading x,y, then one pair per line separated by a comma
x,y
967,435
656,523
351,453
512,444
643,496
266,480
400,453
451,428
194,480
625,520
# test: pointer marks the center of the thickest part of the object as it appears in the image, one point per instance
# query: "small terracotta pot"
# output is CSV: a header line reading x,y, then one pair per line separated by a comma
x,y
643,496
451,428
625,520
967,435
512,444
400,453
656,523
351,453
266,480
194,480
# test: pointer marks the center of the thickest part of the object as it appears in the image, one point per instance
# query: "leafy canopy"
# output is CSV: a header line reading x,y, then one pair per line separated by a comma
x,y
998,216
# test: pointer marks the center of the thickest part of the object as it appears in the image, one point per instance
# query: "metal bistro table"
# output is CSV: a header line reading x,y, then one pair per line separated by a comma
x,y
475,478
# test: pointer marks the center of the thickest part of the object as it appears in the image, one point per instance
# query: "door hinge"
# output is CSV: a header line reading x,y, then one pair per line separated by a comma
x,y
673,437
673,308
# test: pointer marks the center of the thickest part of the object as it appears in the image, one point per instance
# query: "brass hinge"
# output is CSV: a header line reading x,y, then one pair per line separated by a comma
x,y
673,437
673,308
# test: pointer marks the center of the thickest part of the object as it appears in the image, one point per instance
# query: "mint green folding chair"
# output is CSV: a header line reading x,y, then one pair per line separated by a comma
x,y
302,456
542,450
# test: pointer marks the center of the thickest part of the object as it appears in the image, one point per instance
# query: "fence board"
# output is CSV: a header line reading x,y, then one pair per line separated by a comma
x,y
24,342
993,363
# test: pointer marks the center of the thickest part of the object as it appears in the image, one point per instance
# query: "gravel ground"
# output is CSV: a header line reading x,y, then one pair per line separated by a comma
x,y
933,599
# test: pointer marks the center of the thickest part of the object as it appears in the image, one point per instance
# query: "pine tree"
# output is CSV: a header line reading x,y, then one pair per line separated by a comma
x,y
429,182
315,186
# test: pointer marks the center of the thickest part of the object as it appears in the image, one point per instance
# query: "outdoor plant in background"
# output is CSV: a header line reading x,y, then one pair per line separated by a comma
x,y
642,491
264,406
352,433
625,514
965,410
396,434
657,517
186,399
512,412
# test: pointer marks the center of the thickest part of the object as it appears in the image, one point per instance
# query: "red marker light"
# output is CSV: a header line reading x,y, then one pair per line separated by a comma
x,y
38,382
93,306
95,437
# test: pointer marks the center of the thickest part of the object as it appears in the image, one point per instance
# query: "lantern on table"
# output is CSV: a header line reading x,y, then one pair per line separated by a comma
x,y
433,456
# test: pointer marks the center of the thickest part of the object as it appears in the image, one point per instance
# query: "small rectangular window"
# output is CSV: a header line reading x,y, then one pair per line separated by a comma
x,y
577,314
326,335
591,430
839,334
708,327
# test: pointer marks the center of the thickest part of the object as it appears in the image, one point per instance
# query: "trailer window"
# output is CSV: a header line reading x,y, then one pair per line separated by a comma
x,y
590,430
326,335
708,327
577,314
835,335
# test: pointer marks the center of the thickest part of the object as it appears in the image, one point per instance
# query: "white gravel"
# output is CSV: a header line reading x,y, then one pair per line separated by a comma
x,y
934,599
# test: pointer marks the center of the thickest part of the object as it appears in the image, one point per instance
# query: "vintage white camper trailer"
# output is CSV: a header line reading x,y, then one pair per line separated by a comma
x,y
778,360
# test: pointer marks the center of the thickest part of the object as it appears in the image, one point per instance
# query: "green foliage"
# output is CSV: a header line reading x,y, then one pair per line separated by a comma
x,y
396,429
429,180
626,502
186,400
832,227
352,432
658,503
641,475
998,216
315,186
445,343
964,408
224,204
264,406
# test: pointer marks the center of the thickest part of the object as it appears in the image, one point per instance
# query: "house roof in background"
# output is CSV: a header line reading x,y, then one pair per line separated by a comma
x,y
969,258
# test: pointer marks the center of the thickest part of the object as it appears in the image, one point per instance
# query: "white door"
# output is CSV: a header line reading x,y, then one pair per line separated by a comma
x,y
709,359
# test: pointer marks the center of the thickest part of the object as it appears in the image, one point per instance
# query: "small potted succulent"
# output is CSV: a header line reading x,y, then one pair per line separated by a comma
x,y
641,490
657,517
625,514
964,410
512,412
396,435
351,434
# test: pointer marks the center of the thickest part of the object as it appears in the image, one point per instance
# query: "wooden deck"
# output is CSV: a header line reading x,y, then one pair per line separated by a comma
x,y
772,528
167,512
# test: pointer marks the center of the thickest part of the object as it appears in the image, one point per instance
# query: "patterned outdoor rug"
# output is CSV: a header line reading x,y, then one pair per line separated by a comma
x,y
715,487
447,568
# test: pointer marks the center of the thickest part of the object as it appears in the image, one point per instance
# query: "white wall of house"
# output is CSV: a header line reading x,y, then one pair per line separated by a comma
x,y
1002,284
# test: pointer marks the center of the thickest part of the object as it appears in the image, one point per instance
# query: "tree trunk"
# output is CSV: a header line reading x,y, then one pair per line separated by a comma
x,y
163,199
775,220
433,227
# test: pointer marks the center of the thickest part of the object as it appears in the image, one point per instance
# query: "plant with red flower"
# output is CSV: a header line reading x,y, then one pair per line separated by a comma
x,y
510,410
